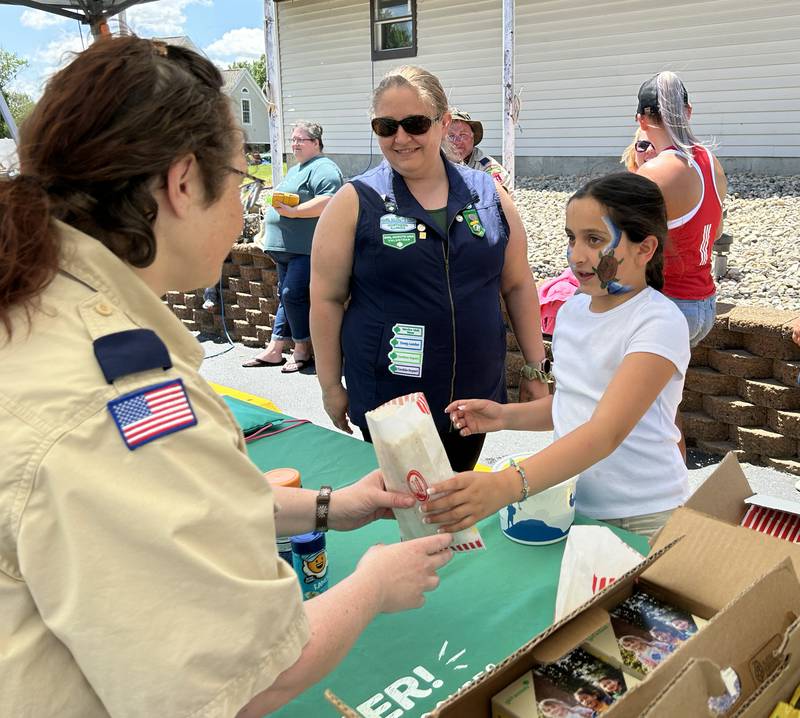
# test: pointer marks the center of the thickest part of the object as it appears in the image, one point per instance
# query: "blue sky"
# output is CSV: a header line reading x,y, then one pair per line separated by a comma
x,y
226,30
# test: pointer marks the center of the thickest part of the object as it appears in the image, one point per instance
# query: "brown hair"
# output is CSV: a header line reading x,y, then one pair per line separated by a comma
x,y
635,204
105,132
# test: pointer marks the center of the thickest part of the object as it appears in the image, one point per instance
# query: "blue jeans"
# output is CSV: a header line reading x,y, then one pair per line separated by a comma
x,y
700,315
294,276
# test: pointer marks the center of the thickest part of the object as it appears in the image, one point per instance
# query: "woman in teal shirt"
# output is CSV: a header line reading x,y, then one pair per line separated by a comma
x,y
287,239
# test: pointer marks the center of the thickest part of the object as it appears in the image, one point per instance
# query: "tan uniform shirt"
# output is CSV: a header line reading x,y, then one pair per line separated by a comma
x,y
478,160
132,583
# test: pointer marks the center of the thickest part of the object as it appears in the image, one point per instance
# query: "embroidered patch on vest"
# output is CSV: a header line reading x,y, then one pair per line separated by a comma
x,y
152,412
474,222
394,223
399,241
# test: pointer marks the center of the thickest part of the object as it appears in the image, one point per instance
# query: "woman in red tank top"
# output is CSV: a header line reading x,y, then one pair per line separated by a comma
x,y
693,184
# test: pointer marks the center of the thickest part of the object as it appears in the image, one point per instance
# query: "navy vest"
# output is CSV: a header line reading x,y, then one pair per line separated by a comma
x,y
424,312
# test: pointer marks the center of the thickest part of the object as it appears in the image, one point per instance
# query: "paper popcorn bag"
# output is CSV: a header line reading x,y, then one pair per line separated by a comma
x,y
412,458
593,558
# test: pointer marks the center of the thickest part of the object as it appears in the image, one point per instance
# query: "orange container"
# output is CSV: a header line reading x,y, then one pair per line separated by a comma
x,y
286,197
283,477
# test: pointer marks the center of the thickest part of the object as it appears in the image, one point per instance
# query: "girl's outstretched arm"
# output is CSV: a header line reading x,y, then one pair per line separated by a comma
x,y
474,495
480,416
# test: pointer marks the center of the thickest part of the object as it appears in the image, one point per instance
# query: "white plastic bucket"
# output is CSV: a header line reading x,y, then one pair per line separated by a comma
x,y
542,518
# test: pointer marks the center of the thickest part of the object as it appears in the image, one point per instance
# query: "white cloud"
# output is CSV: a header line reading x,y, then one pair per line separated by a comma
x,y
244,43
56,54
38,19
164,18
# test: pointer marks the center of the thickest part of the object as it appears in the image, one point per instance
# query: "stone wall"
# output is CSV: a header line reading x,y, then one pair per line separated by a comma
x,y
249,291
740,392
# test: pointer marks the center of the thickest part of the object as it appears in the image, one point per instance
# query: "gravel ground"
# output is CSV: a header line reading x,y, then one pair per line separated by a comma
x,y
763,212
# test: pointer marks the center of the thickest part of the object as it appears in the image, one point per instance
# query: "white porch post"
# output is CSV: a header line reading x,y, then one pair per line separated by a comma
x,y
509,137
274,90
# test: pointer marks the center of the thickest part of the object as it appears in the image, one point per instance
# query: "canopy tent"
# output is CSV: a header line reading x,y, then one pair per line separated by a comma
x,y
94,13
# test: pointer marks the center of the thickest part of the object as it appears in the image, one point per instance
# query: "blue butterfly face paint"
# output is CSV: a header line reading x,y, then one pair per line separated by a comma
x,y
606,269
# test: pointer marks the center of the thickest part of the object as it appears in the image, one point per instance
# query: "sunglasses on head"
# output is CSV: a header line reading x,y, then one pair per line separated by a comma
x,y
413,125
643,145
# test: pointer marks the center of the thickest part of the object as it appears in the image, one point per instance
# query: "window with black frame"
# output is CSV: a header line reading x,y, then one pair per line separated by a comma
x,y
245,111
394,28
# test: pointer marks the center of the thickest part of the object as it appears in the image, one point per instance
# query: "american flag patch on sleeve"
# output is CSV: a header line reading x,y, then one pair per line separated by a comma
x,y
152,412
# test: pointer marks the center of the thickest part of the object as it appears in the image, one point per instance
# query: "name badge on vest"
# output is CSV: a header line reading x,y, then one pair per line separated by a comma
x,y
393,223
474,222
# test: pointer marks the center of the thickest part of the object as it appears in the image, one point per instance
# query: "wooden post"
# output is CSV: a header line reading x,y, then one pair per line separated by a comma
x,y
509,137
274,90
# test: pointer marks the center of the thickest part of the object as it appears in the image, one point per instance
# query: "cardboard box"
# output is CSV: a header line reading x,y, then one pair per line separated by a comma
x,y
741,629
702,561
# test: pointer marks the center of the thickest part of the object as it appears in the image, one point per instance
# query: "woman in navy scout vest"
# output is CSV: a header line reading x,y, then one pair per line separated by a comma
x,y
422,248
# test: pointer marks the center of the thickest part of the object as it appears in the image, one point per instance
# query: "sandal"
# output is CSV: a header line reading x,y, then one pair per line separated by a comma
x,y
296,365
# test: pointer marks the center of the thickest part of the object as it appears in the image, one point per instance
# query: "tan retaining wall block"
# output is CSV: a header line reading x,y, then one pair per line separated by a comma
x,y
710,381
786,372
741,363
764,442
699,426
733,410
769,393
784,422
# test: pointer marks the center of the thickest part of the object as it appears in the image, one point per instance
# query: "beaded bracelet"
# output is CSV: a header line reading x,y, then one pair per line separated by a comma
x,y
521,471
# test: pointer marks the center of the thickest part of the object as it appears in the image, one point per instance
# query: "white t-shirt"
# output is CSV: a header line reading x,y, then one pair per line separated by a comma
x,y
645,474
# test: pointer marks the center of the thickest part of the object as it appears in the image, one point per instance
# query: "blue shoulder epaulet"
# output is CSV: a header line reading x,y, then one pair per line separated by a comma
x,y
130,352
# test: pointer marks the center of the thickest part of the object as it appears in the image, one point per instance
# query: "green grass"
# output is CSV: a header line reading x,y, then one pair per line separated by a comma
x,y
264,172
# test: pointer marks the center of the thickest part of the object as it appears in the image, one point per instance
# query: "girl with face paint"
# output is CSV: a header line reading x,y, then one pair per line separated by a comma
x,y
620,353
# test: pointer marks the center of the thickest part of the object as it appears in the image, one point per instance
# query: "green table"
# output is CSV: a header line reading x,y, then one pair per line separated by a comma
x,y
488,604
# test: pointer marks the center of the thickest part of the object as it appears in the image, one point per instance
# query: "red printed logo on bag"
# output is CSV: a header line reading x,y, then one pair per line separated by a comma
x,y
417,485
600,582
422,405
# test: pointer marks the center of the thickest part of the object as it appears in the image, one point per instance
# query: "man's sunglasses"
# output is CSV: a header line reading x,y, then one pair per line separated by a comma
x,y
413,125
643,145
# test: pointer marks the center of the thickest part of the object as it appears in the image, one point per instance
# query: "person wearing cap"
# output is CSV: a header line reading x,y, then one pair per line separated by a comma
x,y
693,184
465,134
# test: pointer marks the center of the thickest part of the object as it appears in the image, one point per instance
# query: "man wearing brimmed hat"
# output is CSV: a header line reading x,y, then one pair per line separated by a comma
x,y
464,134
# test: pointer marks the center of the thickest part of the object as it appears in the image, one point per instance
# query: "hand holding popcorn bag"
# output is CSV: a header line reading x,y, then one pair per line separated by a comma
x,y
412,459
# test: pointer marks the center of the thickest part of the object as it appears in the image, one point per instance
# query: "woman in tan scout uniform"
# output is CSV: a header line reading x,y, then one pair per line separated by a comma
x,y
138,568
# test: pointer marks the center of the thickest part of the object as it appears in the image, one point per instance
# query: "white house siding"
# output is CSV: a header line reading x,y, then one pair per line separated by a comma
x,y
578,66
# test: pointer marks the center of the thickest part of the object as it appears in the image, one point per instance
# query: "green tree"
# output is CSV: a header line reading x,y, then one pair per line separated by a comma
x,y
19,103
258,69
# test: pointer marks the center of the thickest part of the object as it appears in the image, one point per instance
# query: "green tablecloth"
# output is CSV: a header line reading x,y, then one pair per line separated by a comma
x,y
488,604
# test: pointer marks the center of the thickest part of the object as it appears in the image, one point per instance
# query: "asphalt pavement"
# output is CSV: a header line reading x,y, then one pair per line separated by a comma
x,y
299,395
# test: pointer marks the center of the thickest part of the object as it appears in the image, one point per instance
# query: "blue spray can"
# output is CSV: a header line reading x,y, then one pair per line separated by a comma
x,y
310,563
285,549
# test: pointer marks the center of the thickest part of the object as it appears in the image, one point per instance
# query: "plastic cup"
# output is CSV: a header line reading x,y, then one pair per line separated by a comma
x,y
541,519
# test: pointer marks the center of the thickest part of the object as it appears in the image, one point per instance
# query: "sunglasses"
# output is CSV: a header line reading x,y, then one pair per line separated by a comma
x,y
250,189
413,125
643,145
